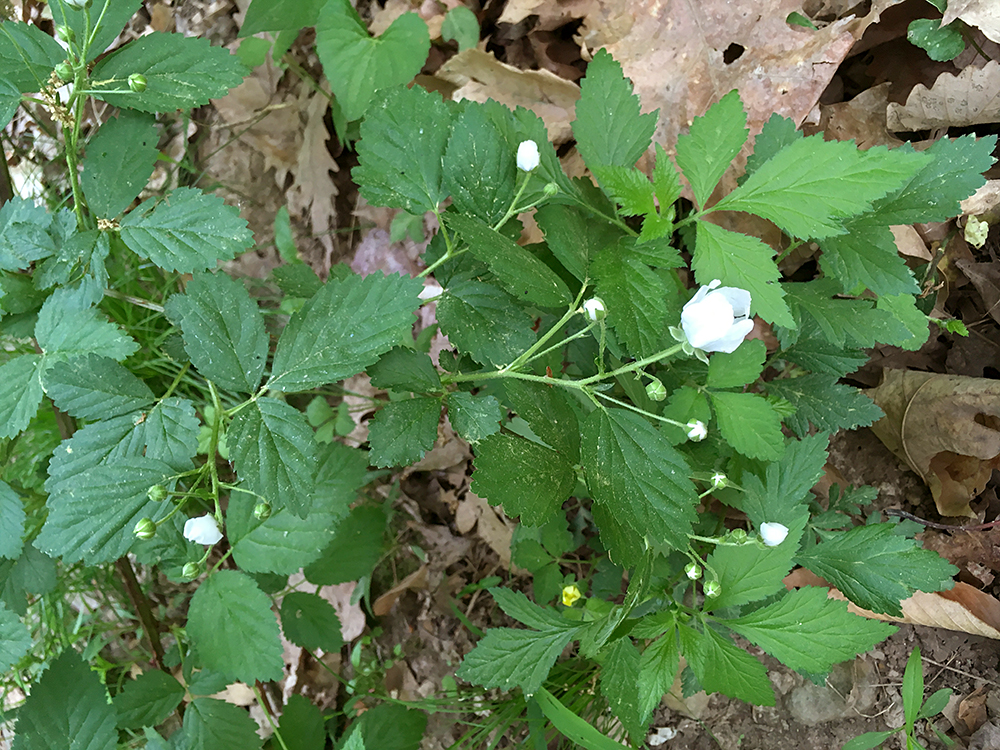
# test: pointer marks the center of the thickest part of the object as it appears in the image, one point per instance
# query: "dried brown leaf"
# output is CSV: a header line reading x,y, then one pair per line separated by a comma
x,y
946,427
970,98
983,14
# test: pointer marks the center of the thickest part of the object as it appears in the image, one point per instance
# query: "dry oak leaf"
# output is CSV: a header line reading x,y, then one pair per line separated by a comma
x,y
946,428
983,14
970,98
964,608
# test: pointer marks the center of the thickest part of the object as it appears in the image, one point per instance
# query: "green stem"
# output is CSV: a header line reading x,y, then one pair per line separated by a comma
x,y
449,248
213,446
637,365
270,719
177,380
561,344
527,354
638,410
512,209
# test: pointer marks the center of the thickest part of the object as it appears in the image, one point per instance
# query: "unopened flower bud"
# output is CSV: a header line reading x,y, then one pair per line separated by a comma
x,y
137,83
527,156
550,189
655,390
145,528
65,34
262,511
713,589
773,534
696,430
594,308
571,595
738,535
719,480
64,71
156,493
693,571
191,570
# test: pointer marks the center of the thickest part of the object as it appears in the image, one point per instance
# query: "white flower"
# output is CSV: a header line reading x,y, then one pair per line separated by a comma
x,y
430,290
773,534
203,530
594,307
527,156
717,319
696,430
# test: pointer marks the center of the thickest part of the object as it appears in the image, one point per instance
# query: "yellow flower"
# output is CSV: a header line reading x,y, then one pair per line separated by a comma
x,y
570,595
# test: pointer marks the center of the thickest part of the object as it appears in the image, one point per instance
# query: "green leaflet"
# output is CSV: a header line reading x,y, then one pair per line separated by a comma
x,y
15,640
474,417
27,56
749,424
119,162
820,400
12,517
635,298
310,621
479,169
95,387
211,724
147,700
402,369
549,413
24,238
402,431
619,686
233,629
181,73
722,667
114,14
485,321
714,140
354,551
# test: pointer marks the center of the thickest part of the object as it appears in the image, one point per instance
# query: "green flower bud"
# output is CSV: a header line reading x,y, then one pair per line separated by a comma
x,y
156,493
693,571
64,71
738,535
191,570
262,511
655,390
137,82
713,589
550,188
65,34
145,528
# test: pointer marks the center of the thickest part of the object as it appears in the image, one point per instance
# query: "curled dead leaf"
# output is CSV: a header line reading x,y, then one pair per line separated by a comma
x,y
964,608
946,428
970,98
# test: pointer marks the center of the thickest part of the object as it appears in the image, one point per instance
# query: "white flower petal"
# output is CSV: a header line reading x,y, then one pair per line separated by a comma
x,y
202,530
773,534
527,156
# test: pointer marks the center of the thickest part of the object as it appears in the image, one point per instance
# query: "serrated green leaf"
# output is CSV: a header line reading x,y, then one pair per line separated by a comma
x,y
619,686
81,255
310,621
95,387
629,187
119,162
280,15
12,517
114,14
479,168
69,326
231,626
721,667
934,193
211,724
876,568
867,256
941,43
474,417
508,658
402,431
633,470
809,632
573,236
181,73
187,231
343,329
685,403
403,369
24,236
302,726
15,640
749,424
911,322
609,128
814,353
88,447
854,322
297,280
284,542
223,330
354,551
485,321
527,478
741,367
750,573
342,471
27,56
358,65
390,171
517,605
68,707
548,413
522,274
92,517
810,186
779,497
273,450
148,700
168,433
635,297
820,400
10,100
744,262
777,133
657,670
714,140
20,393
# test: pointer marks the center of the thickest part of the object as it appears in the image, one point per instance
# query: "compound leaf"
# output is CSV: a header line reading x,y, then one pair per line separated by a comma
x,y
233,629
820,400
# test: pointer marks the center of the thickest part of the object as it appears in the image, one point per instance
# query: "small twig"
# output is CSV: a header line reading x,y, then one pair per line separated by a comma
x,y
141,605
944,526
